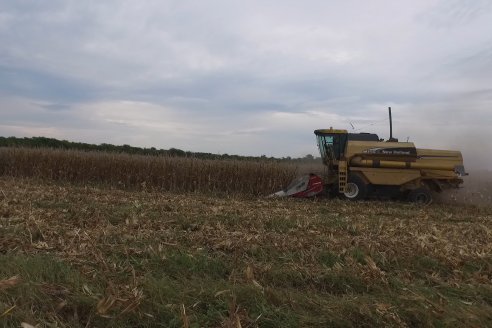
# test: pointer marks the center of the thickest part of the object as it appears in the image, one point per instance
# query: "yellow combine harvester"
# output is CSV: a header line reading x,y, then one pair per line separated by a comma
x,y
361,165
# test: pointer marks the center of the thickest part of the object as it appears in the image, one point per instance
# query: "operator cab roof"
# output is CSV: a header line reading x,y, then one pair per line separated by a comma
x,y
363,136
329,131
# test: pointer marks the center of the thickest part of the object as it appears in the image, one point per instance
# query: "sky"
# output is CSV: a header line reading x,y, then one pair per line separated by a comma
x,y
248,77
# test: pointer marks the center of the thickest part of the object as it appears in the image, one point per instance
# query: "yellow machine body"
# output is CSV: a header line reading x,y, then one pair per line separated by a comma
x,y
380,165
392,164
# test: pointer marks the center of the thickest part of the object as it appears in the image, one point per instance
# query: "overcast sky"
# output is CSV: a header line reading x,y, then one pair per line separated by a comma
x,y
248,77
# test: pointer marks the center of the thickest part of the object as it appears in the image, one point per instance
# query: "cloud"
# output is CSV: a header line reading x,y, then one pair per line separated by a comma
x,y
247,77
454,13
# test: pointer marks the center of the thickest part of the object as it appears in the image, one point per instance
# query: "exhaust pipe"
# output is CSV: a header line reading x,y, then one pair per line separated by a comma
x,y
391,139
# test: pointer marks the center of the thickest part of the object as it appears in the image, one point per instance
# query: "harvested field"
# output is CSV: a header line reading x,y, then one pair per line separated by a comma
x,y
74,256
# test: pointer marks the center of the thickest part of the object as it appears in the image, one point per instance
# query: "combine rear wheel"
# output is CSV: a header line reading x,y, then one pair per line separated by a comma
x,y
421,196
356,188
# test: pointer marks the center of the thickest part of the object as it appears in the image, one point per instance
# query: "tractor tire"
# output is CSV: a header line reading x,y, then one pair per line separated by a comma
x,y
357,188
421,196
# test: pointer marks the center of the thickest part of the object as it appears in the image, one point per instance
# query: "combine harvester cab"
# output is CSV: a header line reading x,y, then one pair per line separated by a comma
x,y
360,166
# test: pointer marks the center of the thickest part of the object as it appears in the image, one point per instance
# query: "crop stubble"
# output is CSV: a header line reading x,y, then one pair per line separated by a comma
x,y
82,256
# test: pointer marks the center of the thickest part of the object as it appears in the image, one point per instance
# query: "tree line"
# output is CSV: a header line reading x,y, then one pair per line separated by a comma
x,y
43,142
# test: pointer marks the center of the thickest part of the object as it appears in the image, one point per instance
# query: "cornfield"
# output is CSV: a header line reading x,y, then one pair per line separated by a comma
x,y
137,172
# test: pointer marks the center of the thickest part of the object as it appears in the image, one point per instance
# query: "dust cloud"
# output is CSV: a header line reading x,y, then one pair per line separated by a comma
x,y
476,190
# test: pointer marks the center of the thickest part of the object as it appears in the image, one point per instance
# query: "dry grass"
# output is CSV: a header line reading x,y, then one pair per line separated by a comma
x,y
87,257
135,172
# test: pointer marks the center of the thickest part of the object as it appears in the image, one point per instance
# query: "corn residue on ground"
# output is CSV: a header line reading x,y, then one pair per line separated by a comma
x,y
73,256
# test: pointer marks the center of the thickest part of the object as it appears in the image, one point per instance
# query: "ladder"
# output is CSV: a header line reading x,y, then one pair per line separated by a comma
x,y
342,176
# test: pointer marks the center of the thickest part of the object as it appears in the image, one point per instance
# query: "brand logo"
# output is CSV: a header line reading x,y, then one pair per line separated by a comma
x,y
391,151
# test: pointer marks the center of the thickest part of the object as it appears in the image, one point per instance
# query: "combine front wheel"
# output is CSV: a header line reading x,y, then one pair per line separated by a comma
x,y
356,188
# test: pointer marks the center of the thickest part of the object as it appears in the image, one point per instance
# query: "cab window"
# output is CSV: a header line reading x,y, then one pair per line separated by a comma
x,y
325,145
